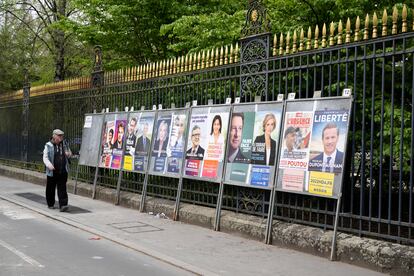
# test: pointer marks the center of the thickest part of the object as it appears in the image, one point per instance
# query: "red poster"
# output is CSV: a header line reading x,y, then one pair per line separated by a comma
x,y
192,167
210,168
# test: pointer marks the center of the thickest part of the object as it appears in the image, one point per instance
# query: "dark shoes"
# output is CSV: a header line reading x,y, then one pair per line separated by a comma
x,y
64,208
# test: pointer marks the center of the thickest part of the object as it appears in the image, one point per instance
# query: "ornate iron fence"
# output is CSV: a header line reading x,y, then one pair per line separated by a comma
x,y
378,184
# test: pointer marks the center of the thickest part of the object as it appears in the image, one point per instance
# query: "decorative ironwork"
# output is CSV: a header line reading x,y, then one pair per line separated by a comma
x,y
25,116
256,19
252,201
98,73
254,54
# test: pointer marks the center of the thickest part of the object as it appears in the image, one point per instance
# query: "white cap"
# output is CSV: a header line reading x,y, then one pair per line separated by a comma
x,y
58,132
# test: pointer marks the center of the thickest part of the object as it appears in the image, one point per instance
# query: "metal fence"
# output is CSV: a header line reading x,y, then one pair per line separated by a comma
x,y
378,184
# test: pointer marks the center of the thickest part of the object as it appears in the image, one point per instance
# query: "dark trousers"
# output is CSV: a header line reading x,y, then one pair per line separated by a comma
x,y
59,181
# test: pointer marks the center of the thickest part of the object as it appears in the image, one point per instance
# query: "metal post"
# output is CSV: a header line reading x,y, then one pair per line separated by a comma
x,y
269,222
94,182
333,249
218,207
76,179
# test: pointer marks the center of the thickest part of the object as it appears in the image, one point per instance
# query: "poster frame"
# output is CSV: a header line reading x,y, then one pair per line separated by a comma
x,y
217,180
282,103
122,170
350,99
75,186
223,182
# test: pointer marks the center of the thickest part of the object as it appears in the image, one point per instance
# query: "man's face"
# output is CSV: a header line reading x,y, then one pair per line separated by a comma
x,y
195,137
131,127
330,138
290,140
58,138
145,130
180,125
120,134
236,132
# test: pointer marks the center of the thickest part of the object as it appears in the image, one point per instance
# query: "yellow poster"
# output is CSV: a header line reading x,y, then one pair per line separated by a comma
x,y
321,183
128,163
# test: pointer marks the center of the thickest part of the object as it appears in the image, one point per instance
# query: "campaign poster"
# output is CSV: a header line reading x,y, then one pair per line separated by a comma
x,y
107,144
317,168
130,141
143,143
168,147
119,140
206,142
253,144
328,141
138,141
196,144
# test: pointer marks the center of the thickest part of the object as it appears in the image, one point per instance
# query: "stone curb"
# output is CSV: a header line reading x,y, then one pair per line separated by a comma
x,y
374,254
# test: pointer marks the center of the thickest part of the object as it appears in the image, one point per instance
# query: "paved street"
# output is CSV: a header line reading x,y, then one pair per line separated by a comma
x,y
31,244
99,238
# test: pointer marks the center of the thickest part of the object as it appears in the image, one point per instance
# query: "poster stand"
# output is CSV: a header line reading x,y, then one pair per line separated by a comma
x,y
221,187
180,180
95,179
76,179
145,184
333,247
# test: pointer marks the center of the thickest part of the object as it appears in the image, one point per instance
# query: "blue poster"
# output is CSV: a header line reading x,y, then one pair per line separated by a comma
x,y
139,163
159,164
260,176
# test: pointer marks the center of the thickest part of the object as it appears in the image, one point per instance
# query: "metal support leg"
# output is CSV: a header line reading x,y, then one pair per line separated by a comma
x,y
94,183
218,207
333,249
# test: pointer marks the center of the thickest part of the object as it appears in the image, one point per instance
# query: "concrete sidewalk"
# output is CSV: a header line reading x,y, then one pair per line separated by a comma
x,y
196,249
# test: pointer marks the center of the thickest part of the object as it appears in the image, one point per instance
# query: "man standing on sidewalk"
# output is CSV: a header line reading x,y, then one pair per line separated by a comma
x,y
55,157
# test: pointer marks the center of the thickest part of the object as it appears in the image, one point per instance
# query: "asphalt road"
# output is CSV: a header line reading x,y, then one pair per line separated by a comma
x,y
31,244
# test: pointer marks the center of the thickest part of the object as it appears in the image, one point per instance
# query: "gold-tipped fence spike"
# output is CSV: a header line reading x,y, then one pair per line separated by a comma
x,y
216,57
375,26
207,59
226,54
357,25
281,44
316,41
287,43
198,60
221,55
295,38
302,39
182,67
366,30
231,54
348,31
203,59
384,23
331,34
274,45
404,19
324,35
308,41
394,20
340,29
236,53
178,64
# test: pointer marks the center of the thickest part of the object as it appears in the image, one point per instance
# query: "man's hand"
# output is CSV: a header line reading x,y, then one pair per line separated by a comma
x,y
50,167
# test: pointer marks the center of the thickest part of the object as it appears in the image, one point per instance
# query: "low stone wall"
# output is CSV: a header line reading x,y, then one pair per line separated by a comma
x,y
375,254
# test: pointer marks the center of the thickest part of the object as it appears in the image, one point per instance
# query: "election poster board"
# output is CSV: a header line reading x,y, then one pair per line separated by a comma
x,y
138,140
207,133
313,146
113,139
167,152
91,135
252,144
